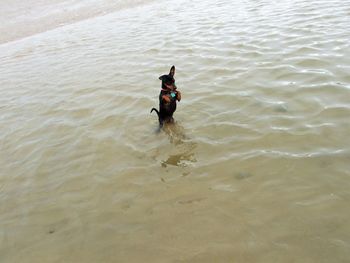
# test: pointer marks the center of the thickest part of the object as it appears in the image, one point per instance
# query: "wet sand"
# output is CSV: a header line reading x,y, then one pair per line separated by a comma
x,y
19,19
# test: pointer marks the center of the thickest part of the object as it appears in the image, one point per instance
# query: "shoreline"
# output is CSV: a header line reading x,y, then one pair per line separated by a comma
x,y
19,20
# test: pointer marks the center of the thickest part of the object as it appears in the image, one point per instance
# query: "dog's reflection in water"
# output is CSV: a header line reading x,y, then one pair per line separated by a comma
x,y
183,153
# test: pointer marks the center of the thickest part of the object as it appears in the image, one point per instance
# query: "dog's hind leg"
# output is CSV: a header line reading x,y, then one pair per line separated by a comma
x,y
160,119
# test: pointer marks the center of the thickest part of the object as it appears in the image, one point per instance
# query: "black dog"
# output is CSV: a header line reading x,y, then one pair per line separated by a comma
x,y
167,98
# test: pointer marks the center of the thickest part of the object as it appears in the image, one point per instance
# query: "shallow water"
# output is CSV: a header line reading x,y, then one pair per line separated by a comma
x,y
256,169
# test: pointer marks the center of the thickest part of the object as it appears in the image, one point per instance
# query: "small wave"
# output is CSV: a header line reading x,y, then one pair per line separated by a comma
x,y
275,154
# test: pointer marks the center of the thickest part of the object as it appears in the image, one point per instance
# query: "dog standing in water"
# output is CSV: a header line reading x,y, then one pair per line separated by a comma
x,y
167,98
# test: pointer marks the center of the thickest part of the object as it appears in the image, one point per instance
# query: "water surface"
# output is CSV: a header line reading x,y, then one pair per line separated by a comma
x,y
256,168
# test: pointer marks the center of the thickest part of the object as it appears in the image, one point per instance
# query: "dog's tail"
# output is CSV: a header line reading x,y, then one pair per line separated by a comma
x,y
154,109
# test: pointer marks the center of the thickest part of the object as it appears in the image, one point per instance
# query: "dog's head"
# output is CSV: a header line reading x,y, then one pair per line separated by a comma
x,y
168,81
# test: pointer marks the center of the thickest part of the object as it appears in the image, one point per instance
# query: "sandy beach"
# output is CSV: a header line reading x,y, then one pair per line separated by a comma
x,y
20,19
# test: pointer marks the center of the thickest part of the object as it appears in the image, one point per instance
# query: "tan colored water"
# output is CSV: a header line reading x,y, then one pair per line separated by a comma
x,y
255,170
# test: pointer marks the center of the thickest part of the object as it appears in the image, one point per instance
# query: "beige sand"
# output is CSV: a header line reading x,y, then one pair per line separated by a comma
x,y
20,19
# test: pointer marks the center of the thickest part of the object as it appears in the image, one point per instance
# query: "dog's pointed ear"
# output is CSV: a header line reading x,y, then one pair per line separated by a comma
x,y
161,77
172,71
